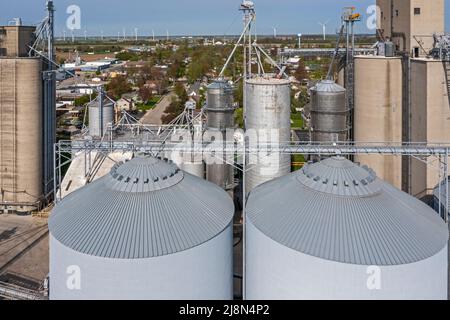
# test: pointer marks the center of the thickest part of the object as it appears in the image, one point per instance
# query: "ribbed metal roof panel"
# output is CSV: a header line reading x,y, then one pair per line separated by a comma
x,y
107,219
373,224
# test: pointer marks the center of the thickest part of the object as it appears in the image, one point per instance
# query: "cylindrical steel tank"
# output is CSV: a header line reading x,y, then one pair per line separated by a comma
x,y
220,117
333,230
329,113
189,162
268,120
145,231
378,112
101,114
186,160
196,168
21,134
440,196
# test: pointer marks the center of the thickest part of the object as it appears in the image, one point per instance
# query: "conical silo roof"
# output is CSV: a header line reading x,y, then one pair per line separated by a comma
x,y
328,86
96,102
143,208
339,211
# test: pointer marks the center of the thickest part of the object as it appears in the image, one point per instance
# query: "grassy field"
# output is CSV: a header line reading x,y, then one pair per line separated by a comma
x,y
150,105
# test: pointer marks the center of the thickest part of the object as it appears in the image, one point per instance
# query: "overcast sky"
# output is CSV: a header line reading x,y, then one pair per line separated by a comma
x,y
190,17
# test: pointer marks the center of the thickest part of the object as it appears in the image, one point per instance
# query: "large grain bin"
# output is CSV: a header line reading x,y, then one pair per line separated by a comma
x,y
268,111
101,114
329,113
145,231
333,230
220,118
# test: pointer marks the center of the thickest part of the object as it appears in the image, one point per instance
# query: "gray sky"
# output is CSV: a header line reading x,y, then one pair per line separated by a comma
x,y
193,17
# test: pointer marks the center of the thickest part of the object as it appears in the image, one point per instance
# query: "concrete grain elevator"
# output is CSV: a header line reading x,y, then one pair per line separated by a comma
x,y
27,115
378,112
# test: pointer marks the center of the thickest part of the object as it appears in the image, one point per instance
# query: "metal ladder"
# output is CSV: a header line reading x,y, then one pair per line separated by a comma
x,y
99,159
350,83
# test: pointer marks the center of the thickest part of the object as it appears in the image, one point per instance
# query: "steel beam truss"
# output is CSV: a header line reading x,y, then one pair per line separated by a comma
x,y
65,150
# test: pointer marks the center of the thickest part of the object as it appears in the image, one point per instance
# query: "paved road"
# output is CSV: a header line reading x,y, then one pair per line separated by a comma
x,y
154,116
23,246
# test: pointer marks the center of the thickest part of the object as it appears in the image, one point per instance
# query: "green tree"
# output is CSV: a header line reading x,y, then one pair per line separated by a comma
x,y
118,86
180,91
145,94
81,101
301,73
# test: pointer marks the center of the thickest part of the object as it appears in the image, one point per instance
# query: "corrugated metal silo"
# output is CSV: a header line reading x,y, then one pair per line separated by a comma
x,y
196,168
189,162
333,230
21,134
329,114
220,117
145,231
440,197
268,112
101,114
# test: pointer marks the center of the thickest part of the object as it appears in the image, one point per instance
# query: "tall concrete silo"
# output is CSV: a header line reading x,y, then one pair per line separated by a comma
x,y
145,231
220,117
268,110
378,112
21,133
429,120
329,113
333,230
101,114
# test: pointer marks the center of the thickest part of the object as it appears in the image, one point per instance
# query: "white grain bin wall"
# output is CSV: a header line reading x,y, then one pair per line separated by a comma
x,y
276,272
202,272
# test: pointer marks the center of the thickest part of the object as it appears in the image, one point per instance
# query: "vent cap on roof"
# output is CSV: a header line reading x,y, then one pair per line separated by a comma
x,y
144,174
339,176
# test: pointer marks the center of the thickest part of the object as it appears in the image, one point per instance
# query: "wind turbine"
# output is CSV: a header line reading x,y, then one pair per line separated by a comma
x,y
64,35
124,34
101,32
167,32
274,32
299,40
85,35
136,34
153,34
324,29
